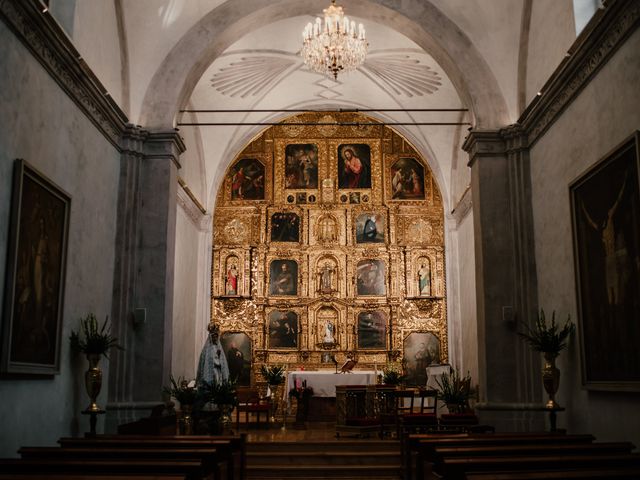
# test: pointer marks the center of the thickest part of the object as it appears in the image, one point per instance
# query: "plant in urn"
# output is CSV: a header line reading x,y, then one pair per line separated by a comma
x,y
94,341
550,340
274,375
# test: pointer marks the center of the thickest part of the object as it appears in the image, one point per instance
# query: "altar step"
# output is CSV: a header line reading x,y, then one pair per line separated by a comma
x,y
342,459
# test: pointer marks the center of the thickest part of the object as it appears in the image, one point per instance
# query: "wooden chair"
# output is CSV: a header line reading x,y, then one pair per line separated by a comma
x,y
249,401
421,416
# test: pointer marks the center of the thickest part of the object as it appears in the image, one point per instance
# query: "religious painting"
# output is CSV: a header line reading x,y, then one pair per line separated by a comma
x,y
231,284
237,350
285,227
424,277
407,180
283,277
283,330
370,228
36,265
354,166
247,180
301,166
372,330
606,228
421,349
370,277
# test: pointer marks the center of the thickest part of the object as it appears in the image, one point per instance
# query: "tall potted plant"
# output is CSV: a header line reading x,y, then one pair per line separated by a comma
x,y
223,395
184,391
550,340
455,391
94,341
274,375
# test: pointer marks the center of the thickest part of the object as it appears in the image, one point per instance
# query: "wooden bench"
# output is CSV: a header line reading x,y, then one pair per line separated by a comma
x,y
231,449
82,476
128,468
577,474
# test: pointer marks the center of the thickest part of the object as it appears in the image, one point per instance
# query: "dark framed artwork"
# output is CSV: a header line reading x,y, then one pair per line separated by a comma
x,y
283,277
354,166
285,227
237,350
407,180
370,277
372,330
247,180
370,228
421,349
301,166
283,330
605,204
36,265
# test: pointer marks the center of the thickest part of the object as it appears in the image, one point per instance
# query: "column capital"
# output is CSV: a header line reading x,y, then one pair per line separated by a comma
x,y
164,144
515,137
483,143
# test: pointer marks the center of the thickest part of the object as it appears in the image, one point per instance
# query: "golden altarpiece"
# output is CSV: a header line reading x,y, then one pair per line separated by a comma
x,y
328,241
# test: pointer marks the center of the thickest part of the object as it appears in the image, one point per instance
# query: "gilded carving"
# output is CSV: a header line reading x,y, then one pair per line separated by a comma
x,y
330,265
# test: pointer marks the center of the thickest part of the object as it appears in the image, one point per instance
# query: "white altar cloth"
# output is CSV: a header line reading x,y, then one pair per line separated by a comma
x,y
324,382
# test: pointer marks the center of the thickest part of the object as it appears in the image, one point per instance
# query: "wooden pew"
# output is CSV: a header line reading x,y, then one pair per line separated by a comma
x,y
208,456
577,474
458,468
127,468
81,476
231,449
419,449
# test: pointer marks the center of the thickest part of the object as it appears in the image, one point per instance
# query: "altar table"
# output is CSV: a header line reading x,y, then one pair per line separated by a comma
x,y
324,382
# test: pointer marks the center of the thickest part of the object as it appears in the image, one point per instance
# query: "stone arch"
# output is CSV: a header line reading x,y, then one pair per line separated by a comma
x,y
419,20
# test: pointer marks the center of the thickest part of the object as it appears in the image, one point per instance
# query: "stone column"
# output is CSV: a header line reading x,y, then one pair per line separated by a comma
x,y
143,279
506,289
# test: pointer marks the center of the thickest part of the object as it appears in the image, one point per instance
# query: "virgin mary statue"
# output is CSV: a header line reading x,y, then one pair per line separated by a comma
x,y
212,367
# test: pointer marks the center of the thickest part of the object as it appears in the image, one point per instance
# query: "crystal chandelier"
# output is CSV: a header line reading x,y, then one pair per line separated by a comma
x,y
335,46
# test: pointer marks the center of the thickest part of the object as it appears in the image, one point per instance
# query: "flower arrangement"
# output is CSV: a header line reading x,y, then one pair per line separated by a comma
x,y
392,374
301,391
455,390
184,391
221,393
550,340
274,375
93,339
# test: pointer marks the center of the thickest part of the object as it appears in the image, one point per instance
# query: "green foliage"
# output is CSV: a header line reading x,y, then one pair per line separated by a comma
x,y
552,339
223,393
274,375
92,339
182,390
455,389
392,374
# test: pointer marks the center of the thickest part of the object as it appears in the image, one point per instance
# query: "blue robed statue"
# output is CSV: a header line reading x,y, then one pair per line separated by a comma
x,y
212,367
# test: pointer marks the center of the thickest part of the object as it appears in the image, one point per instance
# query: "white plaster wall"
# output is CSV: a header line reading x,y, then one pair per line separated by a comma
x,y
551,34
192,161
597,121
96,37
185,300
34,112
468,308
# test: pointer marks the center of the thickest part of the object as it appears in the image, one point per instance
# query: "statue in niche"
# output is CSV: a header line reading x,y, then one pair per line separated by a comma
x,y
424,278
326,275
231,283
329,330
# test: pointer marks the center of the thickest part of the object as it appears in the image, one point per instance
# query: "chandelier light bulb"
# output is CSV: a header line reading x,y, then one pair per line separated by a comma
x,y
334,45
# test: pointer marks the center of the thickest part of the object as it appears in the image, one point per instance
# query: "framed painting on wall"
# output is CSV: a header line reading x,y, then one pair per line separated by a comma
x,y
605,204
283,330
372,330
301,166
354,167
283,277
247,180
36,265
370,277
237,350
421,349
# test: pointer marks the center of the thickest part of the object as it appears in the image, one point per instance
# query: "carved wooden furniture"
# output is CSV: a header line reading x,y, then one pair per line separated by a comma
x,y
249,401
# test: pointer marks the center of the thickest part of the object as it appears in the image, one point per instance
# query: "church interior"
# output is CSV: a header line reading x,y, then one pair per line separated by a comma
x,y
180,166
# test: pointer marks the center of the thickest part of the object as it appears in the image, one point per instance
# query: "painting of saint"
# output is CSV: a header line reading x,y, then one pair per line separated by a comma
x,y
247,180
301,166
372,330
370,228
424,277
283,329
231,282
421,349
407,180
237,350
606,218
283,277
370,277
285,227
354,166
